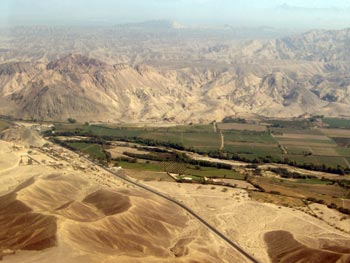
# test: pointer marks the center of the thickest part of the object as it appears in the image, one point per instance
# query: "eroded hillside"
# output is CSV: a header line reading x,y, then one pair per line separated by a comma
x,y
169,73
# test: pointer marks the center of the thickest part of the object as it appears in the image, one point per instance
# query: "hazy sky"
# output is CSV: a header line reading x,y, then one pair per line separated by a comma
x,y
276,13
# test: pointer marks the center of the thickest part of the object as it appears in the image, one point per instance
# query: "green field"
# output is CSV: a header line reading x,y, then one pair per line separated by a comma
x,y
94,150
297,150
197,136
214,172
302,141
295,130
290,124
343,151
318,160
337,123
312,181
201,140
243,145
191,170
156,167
309,152
248,136
254,151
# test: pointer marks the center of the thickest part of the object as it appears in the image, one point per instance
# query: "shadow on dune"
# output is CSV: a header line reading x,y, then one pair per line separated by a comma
x,y
110,222
23,229
283,248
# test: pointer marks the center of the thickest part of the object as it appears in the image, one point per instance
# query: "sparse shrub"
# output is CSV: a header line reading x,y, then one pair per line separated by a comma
x,y
344,210
275,193
311,199
332,206
70,120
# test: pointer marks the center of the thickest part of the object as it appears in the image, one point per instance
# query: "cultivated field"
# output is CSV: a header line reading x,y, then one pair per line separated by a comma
x,y
296,141
342,133
233,211
93,149
303,189
241,127
337,123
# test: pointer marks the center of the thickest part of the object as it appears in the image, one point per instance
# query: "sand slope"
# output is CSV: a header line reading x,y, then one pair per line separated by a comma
x,y
51,215
268,232
282,247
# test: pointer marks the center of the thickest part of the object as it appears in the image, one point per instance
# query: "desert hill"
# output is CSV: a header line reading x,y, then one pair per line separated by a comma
x,y
139,72
53,215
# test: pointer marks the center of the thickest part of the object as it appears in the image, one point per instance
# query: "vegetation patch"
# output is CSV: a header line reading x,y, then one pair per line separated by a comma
x,y
247,146
156,167
94,150
290,124
328,193
342,142
242,127
337,123
249,136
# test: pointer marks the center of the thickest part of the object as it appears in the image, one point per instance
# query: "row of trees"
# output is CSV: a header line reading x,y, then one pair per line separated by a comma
x,y
269,159
180,158
285,173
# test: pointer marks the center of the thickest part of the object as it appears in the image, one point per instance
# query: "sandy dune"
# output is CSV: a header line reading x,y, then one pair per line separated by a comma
x,y
64,209
252,224
282,247
68,215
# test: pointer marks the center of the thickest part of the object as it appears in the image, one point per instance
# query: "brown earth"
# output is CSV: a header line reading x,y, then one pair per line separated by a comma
x,y
283,247
246,221
21,228
70,215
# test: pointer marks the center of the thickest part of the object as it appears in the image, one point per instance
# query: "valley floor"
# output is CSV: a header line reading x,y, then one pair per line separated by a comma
x,y
56,206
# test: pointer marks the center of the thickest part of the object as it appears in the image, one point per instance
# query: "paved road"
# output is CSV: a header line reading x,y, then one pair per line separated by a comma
x,y
189,210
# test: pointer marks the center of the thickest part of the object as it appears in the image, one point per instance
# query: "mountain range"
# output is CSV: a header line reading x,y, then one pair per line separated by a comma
x,y
178,76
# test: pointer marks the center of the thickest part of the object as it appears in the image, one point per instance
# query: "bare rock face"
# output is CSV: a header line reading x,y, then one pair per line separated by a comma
x,y
285,77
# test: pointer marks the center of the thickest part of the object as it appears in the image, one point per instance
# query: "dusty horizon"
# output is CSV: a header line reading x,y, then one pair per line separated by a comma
x,y
291,14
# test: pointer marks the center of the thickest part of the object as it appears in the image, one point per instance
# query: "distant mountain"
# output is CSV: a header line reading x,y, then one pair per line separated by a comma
x,y
179,77
315,45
